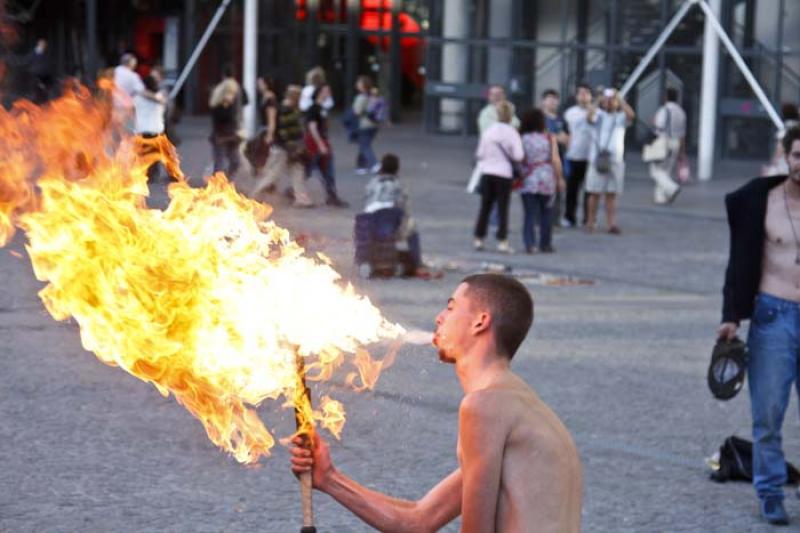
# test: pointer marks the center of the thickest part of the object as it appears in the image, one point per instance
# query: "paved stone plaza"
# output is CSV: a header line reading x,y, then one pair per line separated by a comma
x,y
88,448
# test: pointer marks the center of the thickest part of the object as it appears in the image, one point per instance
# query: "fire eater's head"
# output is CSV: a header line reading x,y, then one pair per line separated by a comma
x,y
488,312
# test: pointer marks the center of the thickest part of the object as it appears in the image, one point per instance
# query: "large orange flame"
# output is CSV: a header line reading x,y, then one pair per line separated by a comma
x,y
207,300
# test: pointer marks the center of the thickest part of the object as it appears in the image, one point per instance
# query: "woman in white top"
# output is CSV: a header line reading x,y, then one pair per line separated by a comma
x,y
500,146
610,119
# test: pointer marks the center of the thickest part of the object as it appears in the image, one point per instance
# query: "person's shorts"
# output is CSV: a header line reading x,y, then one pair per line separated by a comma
x,y
612,182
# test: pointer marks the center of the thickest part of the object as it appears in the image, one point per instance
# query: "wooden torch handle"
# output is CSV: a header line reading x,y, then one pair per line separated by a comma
x,y
307,503
306,499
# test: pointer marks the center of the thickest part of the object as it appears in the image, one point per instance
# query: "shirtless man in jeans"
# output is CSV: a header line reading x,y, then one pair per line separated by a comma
x,y
762,283
519,469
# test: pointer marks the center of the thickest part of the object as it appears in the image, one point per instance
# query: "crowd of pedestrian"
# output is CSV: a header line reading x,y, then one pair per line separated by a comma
x,y
563,163
293,139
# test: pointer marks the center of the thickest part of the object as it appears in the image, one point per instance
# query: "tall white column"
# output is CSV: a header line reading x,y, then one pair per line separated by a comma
x,y
500,24
708,97
250,65
454,61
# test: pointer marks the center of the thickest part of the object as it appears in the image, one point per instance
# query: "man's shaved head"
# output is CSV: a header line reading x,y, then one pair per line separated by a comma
x,y
510,305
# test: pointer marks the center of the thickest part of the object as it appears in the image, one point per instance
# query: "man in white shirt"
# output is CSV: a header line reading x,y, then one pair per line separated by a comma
x,y
488,114
577,154
127,85
669,122
149,106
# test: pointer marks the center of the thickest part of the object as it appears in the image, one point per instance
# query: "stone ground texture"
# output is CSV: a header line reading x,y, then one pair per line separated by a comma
x,y
86,447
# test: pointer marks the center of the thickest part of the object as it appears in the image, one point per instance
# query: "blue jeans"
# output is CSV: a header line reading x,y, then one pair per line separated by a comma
x,y
537,211
325,166
773,343
366,156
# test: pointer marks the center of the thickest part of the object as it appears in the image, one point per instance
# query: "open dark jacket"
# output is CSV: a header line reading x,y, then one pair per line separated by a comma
x,y
747,210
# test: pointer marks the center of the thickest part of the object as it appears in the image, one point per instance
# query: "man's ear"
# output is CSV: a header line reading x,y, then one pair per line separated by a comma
x,y
482,322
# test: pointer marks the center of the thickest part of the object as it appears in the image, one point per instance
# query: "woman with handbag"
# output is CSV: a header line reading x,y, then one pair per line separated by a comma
x,y
257,149
606,173
499,150
543,178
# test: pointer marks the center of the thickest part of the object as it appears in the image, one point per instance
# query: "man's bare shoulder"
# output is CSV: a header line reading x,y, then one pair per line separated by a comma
x,y
502,401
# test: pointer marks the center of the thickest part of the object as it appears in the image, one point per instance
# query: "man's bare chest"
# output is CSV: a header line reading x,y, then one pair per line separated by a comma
x,y
782,224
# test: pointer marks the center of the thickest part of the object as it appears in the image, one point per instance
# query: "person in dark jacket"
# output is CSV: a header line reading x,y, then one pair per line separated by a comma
x,y
762,284
41,72
225,137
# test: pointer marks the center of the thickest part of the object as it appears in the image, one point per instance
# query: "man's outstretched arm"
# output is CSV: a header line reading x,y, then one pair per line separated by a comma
x,y
441,505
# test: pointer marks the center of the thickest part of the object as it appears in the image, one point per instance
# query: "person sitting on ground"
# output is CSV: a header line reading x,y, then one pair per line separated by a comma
x,y
386,191
518,466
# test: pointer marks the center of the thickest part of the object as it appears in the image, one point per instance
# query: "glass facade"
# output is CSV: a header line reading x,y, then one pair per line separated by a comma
x,y
435,59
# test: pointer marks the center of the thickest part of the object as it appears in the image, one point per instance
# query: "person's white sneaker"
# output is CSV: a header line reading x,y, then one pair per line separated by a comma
x,y
478,244
376,168
362,171
503,247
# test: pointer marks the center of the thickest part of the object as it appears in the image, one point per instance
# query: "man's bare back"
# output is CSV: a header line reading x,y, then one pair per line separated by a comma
x,y
780,272
540,472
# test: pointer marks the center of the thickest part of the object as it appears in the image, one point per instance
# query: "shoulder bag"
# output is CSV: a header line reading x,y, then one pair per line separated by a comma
x,y
602,162
658,149
517,169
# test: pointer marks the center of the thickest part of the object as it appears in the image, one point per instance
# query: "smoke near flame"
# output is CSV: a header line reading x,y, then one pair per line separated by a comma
x,y
208,300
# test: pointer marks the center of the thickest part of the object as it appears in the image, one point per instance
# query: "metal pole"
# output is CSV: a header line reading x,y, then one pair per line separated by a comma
x,y
613,39
564,16
662,57
395,74
312,33
91,40
779,53
648,57
737,58
188,41
353,36
199,48
708,99
250,66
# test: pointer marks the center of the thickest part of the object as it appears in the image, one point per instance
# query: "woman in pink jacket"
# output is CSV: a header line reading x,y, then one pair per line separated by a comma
x,y
500,147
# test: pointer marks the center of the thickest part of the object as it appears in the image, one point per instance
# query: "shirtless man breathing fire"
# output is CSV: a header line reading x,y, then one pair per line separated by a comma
x,y
519,469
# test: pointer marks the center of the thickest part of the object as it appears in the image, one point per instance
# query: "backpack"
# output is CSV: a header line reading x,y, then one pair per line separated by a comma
x,y
377,109
736,463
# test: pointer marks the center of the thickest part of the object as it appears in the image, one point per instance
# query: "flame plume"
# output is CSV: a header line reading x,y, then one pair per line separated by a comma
x,y
207,300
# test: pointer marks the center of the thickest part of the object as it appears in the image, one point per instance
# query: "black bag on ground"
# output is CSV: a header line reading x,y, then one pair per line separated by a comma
x,y
736,463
